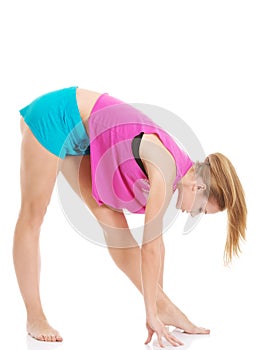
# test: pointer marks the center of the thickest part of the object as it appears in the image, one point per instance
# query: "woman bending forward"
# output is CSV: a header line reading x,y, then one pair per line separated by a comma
x,y
147,167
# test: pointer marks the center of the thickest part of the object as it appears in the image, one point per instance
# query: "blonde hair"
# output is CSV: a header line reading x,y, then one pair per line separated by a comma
x,y
226,190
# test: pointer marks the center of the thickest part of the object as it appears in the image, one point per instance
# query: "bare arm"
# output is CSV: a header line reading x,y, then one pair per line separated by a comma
x,y
161,170
161,277
158,200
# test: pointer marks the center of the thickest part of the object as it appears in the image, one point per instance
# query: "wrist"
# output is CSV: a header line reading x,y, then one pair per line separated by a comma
x,y
151,313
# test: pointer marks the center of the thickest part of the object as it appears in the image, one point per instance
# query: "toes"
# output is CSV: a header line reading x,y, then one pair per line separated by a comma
x,y
39,337
206,331
45,338
51,338
201,330
59,338
197,330
48,338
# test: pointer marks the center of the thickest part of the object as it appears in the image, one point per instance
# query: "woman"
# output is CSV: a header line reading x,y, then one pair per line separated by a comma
x,y
148,166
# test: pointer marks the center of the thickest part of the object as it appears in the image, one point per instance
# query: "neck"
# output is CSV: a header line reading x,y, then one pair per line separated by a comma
x,y
189,177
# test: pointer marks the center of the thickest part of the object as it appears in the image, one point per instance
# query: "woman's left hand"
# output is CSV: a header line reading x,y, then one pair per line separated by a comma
x,y
154,325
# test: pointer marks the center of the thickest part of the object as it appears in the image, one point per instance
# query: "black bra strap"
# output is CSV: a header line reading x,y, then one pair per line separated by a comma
x,y
135,150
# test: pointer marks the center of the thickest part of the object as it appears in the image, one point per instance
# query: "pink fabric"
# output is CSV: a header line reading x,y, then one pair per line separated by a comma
x,y
117,179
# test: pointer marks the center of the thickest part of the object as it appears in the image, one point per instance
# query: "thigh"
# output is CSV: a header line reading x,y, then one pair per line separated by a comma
x,y
38,171
77,172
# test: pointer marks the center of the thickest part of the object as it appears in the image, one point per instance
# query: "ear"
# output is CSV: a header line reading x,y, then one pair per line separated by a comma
x,y
199,187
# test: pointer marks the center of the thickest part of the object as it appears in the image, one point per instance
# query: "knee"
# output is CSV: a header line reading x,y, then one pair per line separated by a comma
x,y
32,214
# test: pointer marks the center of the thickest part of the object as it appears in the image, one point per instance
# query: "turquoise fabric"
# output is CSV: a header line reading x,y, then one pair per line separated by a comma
x,y
55,121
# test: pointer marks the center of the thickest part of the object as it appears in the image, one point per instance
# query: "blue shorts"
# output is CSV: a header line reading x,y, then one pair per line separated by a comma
x,y
55,121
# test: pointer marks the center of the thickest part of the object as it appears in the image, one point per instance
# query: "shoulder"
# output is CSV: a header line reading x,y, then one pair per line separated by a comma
x,y
156,158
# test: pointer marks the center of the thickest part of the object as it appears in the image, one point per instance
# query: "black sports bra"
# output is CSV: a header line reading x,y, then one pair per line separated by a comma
x,y
135,145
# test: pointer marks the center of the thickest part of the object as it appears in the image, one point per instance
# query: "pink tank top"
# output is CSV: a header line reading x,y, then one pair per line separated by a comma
x,y
117,179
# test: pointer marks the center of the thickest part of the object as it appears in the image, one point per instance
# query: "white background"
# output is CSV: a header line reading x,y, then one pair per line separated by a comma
x,y
206,61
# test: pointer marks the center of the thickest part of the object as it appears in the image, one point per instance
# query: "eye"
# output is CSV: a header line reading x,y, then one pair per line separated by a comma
x,y
196,212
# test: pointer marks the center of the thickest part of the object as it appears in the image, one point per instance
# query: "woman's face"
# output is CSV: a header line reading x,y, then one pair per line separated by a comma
x,y
191,199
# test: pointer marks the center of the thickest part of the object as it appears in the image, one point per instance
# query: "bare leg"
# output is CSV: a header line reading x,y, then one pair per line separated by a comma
x,y
38,174
127,259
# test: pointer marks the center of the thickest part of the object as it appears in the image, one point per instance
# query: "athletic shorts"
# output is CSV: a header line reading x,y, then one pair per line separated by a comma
x,y
55,121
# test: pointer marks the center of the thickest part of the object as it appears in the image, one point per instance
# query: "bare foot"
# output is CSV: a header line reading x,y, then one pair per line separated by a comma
x,y
198,330
170,315
41,330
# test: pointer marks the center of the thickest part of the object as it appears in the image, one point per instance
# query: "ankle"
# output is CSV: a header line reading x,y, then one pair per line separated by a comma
x,y
35,316
34,321
162,304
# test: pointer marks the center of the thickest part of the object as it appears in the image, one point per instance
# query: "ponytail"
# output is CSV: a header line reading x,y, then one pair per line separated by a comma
x,y
227,191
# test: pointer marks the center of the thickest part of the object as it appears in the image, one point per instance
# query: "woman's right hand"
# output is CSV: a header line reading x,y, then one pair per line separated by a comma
x,y
154,325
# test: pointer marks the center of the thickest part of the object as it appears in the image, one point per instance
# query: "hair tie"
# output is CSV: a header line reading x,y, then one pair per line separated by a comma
x,y
206,162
